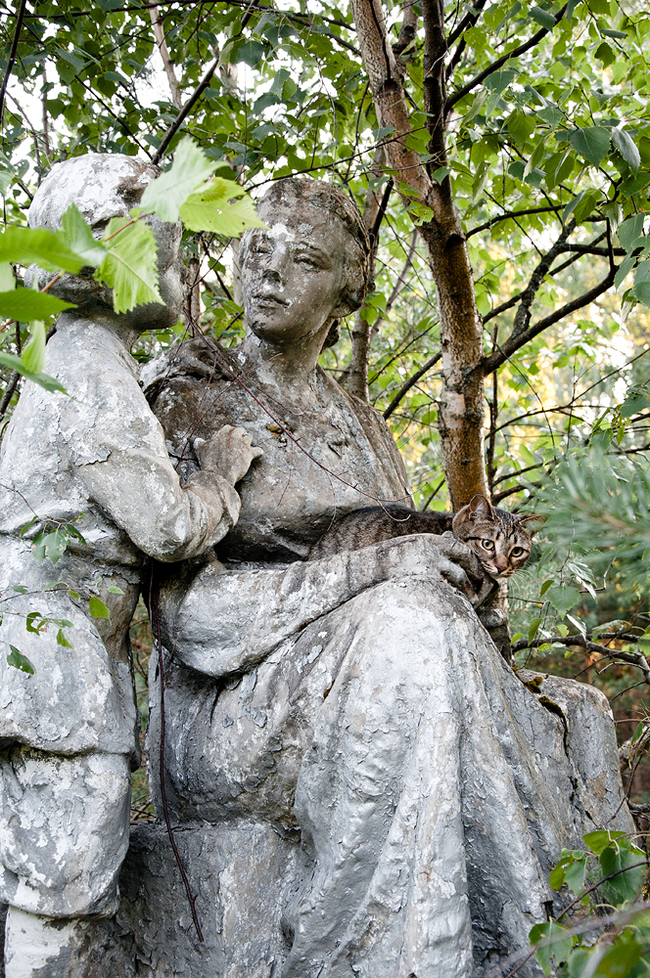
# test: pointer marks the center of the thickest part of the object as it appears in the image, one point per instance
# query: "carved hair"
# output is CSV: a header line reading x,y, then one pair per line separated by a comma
x,y
294,191
102,185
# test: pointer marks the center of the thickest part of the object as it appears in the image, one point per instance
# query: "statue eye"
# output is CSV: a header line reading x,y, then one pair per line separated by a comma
x,y
517,552
488,544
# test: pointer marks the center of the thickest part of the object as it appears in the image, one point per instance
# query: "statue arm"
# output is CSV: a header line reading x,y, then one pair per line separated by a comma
x,y
225,621
141,492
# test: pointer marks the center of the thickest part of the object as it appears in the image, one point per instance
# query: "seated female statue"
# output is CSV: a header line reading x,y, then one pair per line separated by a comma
x,y
355,704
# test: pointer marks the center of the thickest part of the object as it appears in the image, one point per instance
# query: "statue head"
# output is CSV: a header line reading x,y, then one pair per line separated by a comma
x,y
308,221
104,186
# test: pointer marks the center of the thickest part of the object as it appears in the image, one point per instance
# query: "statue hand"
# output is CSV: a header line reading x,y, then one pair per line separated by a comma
x,y
461,567
229,452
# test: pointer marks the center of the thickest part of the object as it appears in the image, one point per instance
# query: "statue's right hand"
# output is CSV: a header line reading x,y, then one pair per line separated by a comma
x,y
441,557
229,452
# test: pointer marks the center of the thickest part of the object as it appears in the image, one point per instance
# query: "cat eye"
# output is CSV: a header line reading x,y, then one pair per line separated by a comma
x,y
517,552
488,544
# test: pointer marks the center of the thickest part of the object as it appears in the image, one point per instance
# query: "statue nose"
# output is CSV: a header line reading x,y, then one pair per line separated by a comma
x,y
276,267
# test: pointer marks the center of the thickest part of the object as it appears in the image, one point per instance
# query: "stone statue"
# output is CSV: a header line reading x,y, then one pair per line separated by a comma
x,y
360,784
94,459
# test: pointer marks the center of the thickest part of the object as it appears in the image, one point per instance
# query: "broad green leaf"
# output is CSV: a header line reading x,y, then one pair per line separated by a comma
x,y
563,598
626,147
630,867
7,277
556,947
168,192
630,231
542,17
25,305
574,876
79,237
62,640
98,609
20,661
130,265
43,380
33,356
48,249
592,143
221,206
619,960
600,839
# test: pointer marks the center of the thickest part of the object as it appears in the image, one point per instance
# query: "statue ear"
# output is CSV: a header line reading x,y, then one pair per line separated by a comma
x,y
532,518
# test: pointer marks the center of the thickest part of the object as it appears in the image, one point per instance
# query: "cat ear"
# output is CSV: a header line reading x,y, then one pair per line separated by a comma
x,y
480,507
532,518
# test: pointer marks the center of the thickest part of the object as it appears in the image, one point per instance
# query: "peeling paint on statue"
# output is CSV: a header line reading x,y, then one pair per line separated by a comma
x,y
362,785
95,459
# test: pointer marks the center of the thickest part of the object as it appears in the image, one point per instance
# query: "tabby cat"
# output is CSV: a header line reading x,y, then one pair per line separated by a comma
x,y
502,541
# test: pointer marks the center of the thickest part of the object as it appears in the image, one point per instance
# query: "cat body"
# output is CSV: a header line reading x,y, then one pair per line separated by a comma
x,y
502,541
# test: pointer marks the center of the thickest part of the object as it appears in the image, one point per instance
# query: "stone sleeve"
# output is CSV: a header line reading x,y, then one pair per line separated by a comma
x,y
140,491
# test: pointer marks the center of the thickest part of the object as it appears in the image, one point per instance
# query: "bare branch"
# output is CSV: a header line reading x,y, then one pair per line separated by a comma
x,y
20,14
406,386
522,317
161,43
514,343
508,215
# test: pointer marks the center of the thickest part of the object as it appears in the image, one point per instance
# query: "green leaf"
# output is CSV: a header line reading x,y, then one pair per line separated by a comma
x,y
7,277
592,143
62,640
221,206
47,248
563,598
79,237
626,147
556,947
631,231
25,305
533,628
168,192
113,589
543,17
630,867
599,840
130,265
20,661
98,609
33,356
575,876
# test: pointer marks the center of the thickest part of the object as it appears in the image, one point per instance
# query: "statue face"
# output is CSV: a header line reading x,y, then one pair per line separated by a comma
x,y
293,274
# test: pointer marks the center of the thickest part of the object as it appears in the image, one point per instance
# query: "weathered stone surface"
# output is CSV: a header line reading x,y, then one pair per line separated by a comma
x,y
96,459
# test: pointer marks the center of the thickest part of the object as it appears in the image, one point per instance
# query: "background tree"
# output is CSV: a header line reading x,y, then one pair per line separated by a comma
x,y
500,152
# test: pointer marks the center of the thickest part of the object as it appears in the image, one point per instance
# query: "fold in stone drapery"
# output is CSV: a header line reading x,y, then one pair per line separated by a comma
x,y
431,789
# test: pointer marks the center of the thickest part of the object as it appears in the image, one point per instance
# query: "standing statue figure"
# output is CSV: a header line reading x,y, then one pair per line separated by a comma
x,y
94,459
360,783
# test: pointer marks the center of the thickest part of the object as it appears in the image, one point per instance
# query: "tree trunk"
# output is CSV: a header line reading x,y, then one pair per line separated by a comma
x,y
461,408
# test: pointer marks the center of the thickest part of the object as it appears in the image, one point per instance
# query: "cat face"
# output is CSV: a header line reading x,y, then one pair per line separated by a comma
x,y
501,541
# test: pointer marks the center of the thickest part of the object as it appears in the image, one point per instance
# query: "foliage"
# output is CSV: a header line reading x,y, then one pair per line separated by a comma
x,y
607,876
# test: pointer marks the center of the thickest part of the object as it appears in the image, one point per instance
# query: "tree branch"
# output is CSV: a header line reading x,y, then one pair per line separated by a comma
x,y
20,14
522,317
406,386
515,53
508,215
514,343
161,43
